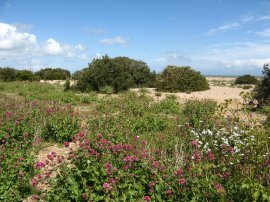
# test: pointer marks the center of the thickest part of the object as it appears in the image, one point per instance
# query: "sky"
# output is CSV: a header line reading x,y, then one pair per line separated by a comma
x,y
215,37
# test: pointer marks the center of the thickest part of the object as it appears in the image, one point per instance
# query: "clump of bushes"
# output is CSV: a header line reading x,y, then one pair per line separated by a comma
x,y
246,79
120,73
181,79
53,74
262,90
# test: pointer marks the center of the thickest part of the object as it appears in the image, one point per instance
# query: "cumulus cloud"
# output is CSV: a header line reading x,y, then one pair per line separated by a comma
x,y
223,28
114,41
11,38
52,47
21,49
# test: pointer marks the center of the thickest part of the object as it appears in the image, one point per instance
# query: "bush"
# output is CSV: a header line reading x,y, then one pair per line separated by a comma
x,y
121,73
25,75
53,74
181,79
246,79
7,74
262,90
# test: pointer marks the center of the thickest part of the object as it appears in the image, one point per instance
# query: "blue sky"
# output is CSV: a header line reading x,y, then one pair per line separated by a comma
x,y
220,37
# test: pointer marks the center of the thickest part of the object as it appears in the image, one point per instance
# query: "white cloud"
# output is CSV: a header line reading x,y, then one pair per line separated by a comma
x,y
233,58
11,38
223,28
114,41
21,49
52,47
264,33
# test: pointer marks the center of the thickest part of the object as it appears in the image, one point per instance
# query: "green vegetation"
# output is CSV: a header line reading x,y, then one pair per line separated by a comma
x,y
53,74
246,79
127,147
262,90
45,91
181,79
120,73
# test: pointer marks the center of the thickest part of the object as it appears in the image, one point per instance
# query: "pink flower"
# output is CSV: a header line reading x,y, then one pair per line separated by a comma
x,y
34,182
40,165
147,198
155,164
66,144
179,172
151,184
195,143
136,138
107,186
210,155
169,192
50,156
182,181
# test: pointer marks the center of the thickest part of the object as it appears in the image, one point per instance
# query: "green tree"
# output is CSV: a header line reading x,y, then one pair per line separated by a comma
x,y
262,90
120,73
8,74
181,79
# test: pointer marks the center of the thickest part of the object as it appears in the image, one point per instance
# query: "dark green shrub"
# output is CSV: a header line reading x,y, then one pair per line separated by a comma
x,y
121,73
199,113
8,74
53,74
262,89
246,79
25,75
181,79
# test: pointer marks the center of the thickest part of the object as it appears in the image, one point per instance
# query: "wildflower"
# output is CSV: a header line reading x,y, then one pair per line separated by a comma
x,y
169,192
210,155
155,164
179,172
40,165
66,144
34,182
151,184
50,156
182,181
21,159
136,138
195,143
219,188
107,186
147,198
162,168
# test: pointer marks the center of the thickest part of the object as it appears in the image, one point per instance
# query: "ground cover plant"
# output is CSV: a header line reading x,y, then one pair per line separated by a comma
x,y
45,91
130,147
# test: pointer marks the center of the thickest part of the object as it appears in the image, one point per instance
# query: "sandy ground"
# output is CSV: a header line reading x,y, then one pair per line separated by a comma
x,y
216,92
220,90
